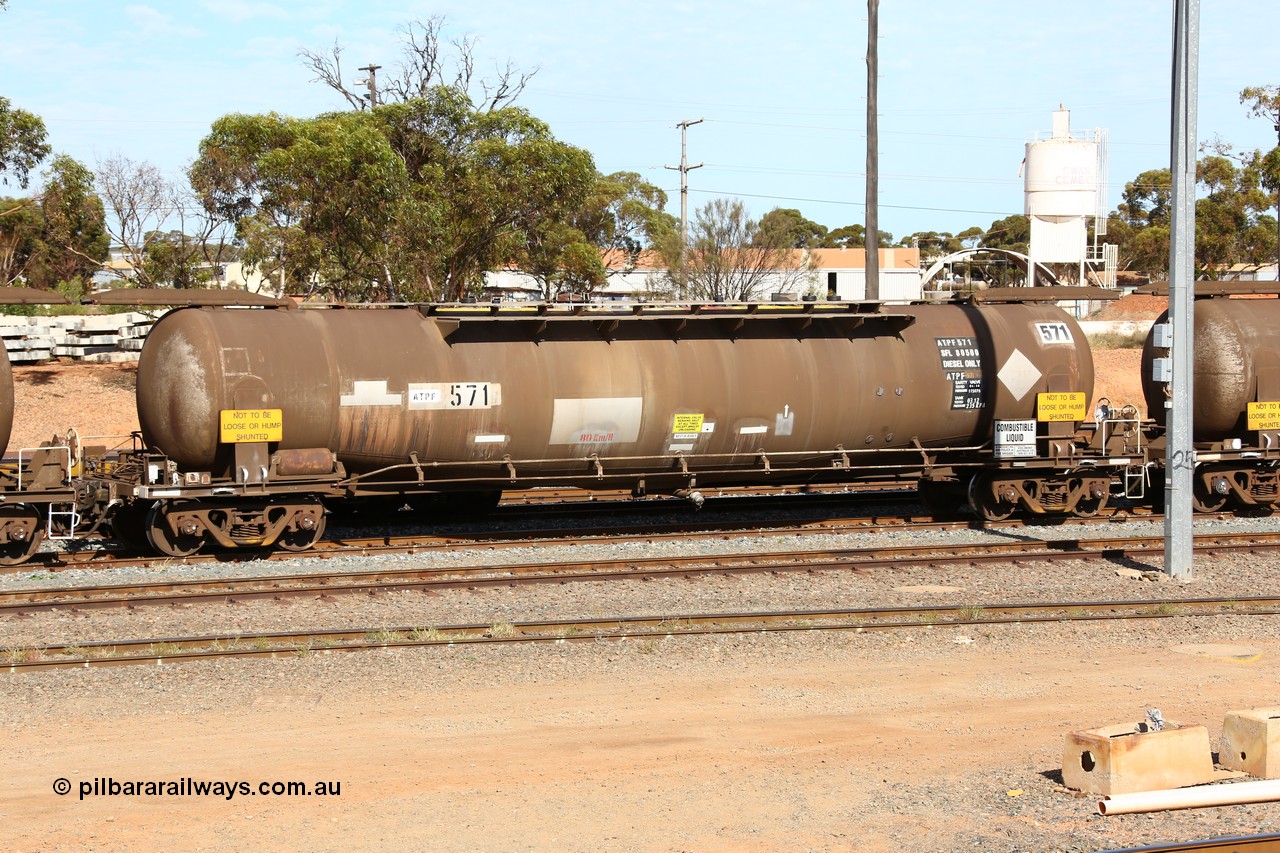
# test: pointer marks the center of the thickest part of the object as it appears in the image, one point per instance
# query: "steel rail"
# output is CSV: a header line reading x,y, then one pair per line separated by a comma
x,y
1269,843
18,602
283,643
491,540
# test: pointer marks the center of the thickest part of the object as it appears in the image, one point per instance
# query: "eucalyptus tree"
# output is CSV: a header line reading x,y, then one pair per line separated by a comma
x,y
23,143
20,225
1264,102
791,227
73,240
407,201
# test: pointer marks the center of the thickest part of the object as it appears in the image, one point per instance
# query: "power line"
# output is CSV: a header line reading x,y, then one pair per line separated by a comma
x,y
846,203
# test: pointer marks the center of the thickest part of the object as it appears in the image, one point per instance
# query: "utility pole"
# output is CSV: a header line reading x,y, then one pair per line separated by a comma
x,y
684,168
872,240
372,81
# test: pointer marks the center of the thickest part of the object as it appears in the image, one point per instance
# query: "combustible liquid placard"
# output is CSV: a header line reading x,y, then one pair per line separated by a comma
x,y
1014,439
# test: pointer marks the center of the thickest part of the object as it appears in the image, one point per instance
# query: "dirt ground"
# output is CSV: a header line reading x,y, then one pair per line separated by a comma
x,y
824,742
95,399
1118,377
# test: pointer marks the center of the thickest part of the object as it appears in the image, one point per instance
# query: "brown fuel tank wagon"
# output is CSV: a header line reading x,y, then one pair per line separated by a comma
x,y
254,420
571,392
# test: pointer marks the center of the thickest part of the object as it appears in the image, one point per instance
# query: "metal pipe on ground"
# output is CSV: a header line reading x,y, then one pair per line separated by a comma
x,y
1191,798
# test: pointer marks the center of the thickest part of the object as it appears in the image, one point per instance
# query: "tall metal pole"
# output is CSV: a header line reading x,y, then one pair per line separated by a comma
x,y
1180,455
684,168
372,80
872,240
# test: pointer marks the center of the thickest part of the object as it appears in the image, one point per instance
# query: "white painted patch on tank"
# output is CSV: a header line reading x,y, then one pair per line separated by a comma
x,y
489,439
370,393
1019,374
596,420
753,430
785,422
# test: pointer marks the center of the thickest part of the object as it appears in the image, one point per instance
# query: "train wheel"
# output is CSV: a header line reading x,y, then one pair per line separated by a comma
x,y
301,539
985,501
27,520
1203,500
164,540
1088,507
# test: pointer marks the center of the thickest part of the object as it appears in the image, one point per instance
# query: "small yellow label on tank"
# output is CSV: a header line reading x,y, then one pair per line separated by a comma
x,y
1264,415
1060,406
686,423
242,426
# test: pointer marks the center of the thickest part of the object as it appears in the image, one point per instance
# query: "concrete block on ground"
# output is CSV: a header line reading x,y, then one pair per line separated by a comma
x,y
114,357
30,356
102,322
1132,757
1251,742
30,343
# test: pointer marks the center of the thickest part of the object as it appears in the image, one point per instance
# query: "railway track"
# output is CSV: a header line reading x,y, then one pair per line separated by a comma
x,y
282,643
507,538
1269,843
329,584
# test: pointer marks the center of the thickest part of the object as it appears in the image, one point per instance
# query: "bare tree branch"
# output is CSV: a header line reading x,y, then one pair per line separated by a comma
x,y
21,204
426,64
328,70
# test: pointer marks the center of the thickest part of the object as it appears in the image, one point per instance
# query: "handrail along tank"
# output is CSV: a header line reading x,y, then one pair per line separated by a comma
x,y
557,387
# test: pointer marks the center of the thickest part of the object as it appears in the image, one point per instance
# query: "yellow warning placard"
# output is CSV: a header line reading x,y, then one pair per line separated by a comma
x,y
687,423
240,426
1060,406
1264,415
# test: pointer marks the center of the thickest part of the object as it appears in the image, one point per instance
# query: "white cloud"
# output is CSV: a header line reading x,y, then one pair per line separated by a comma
x,y
148,22
239,11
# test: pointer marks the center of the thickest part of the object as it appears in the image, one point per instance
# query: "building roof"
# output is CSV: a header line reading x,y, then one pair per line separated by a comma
x,y
899,258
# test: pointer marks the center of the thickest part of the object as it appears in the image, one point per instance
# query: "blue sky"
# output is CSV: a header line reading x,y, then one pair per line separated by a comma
x,y
781,86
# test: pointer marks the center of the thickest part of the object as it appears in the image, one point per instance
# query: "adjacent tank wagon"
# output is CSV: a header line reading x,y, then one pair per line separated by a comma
x,y
1236,393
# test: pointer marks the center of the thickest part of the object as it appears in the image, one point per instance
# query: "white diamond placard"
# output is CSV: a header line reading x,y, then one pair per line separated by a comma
x,y
1019,374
